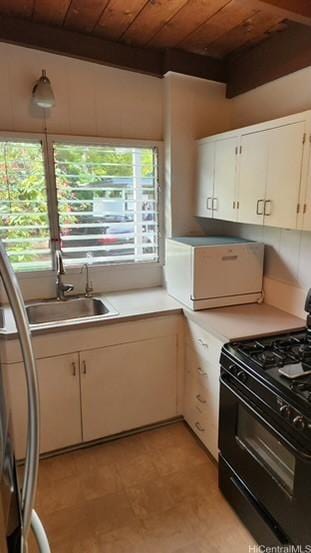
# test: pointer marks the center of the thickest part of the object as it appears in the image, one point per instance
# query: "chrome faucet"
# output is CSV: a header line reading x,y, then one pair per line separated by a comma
x,y
61,287
88,283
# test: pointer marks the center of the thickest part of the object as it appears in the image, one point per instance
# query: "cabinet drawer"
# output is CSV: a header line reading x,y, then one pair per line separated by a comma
x,y
204,343
206,431
205,372
204,399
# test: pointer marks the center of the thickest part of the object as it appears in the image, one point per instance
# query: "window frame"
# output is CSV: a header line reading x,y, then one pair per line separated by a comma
x,y
47,141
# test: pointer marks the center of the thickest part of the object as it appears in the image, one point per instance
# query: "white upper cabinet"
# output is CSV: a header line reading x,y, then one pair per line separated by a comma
x,y
252,177
205,179
284,175
217,179
268,182
224,200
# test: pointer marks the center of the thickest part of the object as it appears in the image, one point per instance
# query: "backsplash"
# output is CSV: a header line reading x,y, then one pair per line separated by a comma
x,y
287,268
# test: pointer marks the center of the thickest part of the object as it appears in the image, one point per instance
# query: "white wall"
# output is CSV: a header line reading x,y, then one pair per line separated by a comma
x,y
91,100
284,96
194,108
287,262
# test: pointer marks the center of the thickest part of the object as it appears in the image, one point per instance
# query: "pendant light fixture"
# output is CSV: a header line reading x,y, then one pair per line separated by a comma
x,y
42,93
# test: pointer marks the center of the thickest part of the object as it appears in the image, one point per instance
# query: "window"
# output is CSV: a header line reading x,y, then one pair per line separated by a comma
x,y
102,205
24,221
107,203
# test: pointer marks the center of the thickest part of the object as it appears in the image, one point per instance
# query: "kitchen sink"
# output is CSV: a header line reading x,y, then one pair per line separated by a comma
x,y
71,308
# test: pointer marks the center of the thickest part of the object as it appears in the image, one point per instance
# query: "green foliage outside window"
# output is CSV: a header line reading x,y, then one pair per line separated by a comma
x,y
83,174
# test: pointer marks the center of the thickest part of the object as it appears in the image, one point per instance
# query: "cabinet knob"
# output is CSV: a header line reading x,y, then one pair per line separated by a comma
x,y
268,208
204,344
200,399
199,427
201,372
74,368
84,366
260,207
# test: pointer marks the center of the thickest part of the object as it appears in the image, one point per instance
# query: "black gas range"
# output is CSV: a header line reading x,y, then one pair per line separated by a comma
x,y
265,435
256,364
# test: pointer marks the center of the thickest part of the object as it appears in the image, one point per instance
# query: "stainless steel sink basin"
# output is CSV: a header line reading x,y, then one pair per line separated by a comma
x,y
72,308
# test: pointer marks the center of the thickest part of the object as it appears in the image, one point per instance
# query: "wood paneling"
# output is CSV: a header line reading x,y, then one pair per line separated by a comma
x,y
153,16
212,28
300,7
223,21
282,54
191,16
192,64
83,15
18,8
248,33
54,14
117,17
90,48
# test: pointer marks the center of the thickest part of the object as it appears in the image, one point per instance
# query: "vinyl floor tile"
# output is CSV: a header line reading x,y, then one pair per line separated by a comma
x,y
154,492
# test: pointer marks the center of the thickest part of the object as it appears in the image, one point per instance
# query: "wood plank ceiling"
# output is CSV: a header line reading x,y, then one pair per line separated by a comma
x,y
210,27
244,43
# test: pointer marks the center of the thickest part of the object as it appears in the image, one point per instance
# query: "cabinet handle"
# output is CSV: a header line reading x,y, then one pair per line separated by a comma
x,y
268,203
215,204
201,372
74,368
258,206
199,427
84,367
204,344
208,205
198,396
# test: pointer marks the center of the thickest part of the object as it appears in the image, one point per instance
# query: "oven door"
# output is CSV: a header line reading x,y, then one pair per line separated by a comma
x,y
274,469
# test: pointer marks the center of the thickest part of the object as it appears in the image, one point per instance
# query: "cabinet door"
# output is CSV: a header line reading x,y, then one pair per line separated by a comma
x,y
60,412
284,175
128,385
205,179
224,202
253,166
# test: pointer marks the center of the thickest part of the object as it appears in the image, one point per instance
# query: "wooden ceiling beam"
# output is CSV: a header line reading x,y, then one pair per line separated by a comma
x,y
295,10
58,40
300,7
283,53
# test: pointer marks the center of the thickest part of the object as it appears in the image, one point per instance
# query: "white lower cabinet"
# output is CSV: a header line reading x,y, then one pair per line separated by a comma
x,y
128,386
121,387
201,392
59,388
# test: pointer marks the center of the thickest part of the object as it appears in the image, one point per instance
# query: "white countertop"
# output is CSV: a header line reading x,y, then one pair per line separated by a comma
x,y
226,323
245,321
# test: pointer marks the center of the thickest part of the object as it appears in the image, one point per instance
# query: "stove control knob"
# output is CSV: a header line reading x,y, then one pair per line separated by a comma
x,y
299,422
285,411
242,376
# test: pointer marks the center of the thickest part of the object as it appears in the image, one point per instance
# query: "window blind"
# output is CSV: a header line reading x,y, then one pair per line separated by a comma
x,y
107,200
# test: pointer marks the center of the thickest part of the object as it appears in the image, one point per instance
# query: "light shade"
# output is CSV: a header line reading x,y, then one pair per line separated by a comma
x,y
42,93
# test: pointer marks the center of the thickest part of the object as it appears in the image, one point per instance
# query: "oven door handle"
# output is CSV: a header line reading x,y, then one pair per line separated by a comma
x,y
302,454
